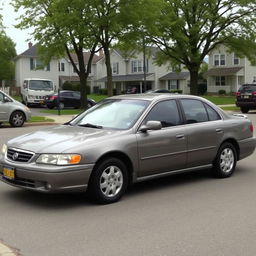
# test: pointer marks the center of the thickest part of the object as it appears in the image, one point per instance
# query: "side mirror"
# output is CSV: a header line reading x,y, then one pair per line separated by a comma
x,y
151,125
6,99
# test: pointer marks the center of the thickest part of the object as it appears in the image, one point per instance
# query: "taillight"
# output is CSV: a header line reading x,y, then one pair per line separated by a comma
x,y
53,97
251,127
254,93
238,94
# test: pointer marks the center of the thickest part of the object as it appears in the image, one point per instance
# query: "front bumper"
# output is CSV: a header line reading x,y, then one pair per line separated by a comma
x,y
246,104
47,178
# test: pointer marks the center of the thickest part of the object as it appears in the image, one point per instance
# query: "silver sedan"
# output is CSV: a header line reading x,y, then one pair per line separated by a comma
x,y
13,111
127,139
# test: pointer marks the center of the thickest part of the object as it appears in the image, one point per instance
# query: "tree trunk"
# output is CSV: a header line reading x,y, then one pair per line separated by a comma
x,y
83,85
109,71
194,81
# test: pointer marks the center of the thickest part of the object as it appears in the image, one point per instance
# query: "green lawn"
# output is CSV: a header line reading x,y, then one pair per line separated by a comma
x,y
35,119
231,108
221,100
63,111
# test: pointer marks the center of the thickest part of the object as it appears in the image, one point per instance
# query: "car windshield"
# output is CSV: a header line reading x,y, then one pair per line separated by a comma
x,y
247,88
41,85
113,114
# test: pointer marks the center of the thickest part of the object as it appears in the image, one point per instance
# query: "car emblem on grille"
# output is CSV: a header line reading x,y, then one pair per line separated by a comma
x,y
15,156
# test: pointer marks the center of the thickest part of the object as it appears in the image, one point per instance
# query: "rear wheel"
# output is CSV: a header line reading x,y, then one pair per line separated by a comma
x,y
244,110
17,119
225,161
62,105
108,181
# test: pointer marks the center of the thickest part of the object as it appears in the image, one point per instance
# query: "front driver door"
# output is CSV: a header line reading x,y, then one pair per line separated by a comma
x,y
162,150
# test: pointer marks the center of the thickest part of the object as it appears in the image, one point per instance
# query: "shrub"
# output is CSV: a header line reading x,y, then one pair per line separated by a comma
x,y
202,89
176,91
222,92
103,91
74,87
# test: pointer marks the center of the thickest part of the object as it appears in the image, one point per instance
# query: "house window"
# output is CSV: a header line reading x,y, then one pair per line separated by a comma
x,y
173,84
236,59
115,68
219,60
137,66
37,64
61,66
220,80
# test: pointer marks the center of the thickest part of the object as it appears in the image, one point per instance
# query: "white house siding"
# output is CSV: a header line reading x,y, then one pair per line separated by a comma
x,y
250,72
235,80
23,71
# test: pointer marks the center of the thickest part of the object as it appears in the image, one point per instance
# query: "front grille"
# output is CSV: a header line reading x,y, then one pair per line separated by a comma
x,y
40,97
19,155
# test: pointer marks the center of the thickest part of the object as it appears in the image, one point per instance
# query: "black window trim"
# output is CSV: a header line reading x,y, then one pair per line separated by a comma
x,y
204,103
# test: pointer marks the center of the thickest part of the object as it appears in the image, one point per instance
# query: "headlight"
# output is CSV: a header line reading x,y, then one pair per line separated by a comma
x,y
59,159
4,149
31,96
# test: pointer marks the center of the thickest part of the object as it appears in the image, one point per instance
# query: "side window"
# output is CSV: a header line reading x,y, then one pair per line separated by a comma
x,y
213,115
166,112
66,94
194,110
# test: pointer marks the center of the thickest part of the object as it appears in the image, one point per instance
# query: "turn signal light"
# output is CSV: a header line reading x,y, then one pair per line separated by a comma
x,y
251,128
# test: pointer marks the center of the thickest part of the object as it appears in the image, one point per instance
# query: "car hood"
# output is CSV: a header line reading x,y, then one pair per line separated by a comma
x,y
60,139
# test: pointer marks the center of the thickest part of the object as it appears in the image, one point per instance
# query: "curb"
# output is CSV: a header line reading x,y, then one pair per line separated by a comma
x,y
7,251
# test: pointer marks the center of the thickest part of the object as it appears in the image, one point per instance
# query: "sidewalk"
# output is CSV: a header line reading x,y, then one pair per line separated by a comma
x,y
57,120
7,251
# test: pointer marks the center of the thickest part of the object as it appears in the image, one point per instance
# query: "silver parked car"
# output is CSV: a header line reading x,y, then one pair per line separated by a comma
x,y
127,139
13,111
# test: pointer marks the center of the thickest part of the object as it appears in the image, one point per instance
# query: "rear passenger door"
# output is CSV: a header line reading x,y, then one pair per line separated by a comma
x,y
162,150
204,130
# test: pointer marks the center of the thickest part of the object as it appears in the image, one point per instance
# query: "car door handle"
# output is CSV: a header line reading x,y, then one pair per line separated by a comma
x,y
180,136
219,130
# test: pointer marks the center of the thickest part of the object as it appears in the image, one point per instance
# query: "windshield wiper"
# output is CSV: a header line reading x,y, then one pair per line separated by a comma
x,y
91,125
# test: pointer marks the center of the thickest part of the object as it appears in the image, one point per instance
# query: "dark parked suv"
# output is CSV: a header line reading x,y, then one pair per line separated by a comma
x,y
246,97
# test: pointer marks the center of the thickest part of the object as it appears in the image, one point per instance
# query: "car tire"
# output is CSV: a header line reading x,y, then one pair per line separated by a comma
x,y
244,110
17,119
26,102
89,104
108,181
225,161
62,105
50,107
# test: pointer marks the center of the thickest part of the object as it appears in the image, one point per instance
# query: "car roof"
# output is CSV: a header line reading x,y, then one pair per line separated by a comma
x,y
154,96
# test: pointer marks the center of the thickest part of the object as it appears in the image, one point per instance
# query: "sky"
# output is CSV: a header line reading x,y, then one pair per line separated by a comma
x,y
18,36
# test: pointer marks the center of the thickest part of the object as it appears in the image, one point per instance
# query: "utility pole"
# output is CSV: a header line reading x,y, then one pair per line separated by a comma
x,y
144,65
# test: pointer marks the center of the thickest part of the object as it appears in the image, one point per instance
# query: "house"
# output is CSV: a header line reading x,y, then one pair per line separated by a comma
x,y
29,65
128,72
227,71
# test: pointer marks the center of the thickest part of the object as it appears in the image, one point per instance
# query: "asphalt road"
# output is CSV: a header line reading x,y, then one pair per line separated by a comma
x,y
184,215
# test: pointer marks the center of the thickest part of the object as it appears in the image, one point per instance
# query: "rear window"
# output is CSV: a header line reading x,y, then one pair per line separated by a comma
x,y
247,88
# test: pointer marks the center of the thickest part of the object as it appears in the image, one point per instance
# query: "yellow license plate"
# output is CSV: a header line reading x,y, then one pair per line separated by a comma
x,y
9,173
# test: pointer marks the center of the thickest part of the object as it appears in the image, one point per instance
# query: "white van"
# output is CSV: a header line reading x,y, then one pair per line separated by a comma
x,y
34,90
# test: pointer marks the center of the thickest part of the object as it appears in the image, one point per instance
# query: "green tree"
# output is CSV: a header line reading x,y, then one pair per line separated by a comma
x,y
111,23
62,27
187,30
7,53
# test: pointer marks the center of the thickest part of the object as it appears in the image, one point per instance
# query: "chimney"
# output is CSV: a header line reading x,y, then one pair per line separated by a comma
x,y
30,45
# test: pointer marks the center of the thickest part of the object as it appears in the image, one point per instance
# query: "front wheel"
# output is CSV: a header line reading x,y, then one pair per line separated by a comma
x,y
244,110
17,119
225,161
108,181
